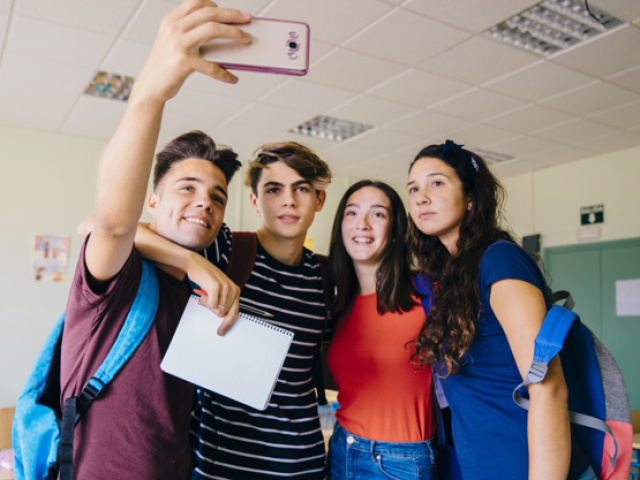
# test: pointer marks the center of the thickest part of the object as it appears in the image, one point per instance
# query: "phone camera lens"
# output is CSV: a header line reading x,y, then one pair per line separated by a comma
x,y
292,45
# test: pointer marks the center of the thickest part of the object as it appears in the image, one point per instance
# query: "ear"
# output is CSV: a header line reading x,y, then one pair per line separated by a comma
x,y
152,203
320,199
469,206
254,202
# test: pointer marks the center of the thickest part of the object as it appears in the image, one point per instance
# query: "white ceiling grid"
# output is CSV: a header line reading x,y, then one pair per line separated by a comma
x,y
417,70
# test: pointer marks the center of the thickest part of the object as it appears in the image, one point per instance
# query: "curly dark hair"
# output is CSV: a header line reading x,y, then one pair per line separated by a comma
x,y
451,324
394,286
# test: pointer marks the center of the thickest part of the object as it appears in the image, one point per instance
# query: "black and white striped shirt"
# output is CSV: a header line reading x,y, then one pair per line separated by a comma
x,y
234,441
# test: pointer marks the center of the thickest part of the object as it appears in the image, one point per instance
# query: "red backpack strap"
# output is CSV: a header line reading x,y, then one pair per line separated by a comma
x,y
244,247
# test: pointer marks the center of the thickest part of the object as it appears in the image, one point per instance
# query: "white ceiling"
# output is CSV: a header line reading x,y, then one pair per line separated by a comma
x,y
418,70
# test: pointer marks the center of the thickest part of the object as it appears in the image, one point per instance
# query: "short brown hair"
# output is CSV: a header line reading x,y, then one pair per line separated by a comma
x,y
299,157
195,144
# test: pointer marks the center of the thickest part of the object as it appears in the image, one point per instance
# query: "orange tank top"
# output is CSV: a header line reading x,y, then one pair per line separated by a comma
x,y
382,395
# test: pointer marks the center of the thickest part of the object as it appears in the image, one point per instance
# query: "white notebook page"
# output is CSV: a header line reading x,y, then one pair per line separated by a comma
x,y
243,365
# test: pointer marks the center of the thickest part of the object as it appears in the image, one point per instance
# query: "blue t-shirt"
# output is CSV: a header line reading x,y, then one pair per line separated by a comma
x,y
489,429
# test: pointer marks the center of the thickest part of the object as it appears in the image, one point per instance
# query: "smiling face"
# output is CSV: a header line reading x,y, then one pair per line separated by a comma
x,y
437,202
286,202
188,204
366,226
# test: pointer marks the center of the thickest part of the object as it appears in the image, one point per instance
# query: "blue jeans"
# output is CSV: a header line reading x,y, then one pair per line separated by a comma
x,y
353,458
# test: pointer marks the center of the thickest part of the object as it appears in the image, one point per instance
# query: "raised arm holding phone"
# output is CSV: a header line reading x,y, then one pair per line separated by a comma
x,y
139,427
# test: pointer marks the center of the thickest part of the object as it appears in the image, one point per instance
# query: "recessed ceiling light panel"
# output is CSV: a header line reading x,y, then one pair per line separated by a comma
x,y
553,25
330,128
110,85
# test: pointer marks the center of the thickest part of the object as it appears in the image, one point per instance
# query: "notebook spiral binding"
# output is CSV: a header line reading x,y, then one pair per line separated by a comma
x,y
265,323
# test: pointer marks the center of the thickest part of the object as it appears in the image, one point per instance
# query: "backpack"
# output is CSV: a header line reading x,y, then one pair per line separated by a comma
x,y
42,434
599,407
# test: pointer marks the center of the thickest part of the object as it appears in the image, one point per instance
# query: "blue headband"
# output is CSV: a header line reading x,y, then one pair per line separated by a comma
x,y
450,146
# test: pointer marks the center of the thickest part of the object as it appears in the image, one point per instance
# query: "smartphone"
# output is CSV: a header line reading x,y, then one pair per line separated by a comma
x,y
279,46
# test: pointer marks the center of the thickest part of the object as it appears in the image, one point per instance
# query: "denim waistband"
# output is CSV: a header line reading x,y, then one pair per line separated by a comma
x,y
389,448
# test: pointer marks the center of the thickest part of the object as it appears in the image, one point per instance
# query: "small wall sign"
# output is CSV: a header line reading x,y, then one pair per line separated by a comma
x,y
592,214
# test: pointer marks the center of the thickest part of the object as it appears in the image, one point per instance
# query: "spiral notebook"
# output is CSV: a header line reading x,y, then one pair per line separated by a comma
x,y
243,365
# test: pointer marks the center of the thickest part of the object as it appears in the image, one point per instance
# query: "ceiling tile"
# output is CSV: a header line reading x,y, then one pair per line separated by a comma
x,y
529,119
629,79
384,140
250,86
594,57
612,143
418,88
406,38
478,105
590,99
306,96
478,60
214,109
428,124
144,24
333,21
245,140
628,10
556,156
479,135
4,25
575,132
279,119
24,90
96,15
94,117
40,40
352,71
522,146
372,111
472,15
539,81
507,169
126,58
626,116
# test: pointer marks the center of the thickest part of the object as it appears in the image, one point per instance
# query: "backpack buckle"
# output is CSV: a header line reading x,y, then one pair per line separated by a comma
x,y
537,372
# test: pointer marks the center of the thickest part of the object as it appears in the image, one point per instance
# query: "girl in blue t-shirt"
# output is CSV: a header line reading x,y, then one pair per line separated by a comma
x,y
489,301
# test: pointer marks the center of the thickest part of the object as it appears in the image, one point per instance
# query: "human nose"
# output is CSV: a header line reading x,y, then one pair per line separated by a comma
x,y
204,201
289,198
362,222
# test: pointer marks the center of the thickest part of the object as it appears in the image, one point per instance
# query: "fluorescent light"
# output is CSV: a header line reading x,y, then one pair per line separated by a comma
x,y
552,25
330,128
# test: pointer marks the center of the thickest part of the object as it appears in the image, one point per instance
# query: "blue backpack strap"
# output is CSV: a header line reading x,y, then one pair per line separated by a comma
x,y
549,342
135,328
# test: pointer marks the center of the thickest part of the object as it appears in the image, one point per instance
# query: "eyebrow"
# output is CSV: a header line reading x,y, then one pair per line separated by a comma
x,y
435,174
295,184
200,181
350,205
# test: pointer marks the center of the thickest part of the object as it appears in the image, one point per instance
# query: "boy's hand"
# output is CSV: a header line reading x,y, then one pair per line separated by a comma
x,y
175,53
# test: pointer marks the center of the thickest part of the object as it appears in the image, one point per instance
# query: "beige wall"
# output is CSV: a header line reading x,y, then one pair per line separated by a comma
x,y
48,184
548,201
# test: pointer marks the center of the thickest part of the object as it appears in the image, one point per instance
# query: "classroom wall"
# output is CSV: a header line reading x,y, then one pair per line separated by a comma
x,y
548,201
48,185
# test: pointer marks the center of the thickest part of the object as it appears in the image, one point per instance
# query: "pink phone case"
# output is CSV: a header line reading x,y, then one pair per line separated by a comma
x,y
279,46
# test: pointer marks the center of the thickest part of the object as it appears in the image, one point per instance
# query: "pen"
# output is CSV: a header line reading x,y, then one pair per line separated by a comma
x,y
243,306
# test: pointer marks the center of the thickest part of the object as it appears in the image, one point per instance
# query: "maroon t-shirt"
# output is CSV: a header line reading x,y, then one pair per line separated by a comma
x,y
139,426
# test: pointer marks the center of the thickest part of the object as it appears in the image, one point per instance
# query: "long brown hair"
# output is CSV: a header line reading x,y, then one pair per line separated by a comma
x,y
394,286
450,325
